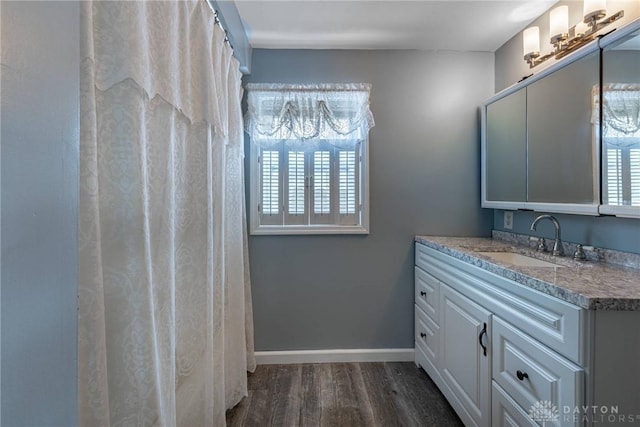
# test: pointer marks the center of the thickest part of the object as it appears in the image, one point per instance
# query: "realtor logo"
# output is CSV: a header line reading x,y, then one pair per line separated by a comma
x,y
543,411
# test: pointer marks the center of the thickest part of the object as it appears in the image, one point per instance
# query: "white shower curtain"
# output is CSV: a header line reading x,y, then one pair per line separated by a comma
x,y
165,330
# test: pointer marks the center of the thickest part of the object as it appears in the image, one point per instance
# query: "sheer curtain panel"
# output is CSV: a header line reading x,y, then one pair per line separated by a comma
x,y
165,328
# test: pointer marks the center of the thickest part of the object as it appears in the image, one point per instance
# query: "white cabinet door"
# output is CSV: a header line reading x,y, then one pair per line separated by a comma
x,y
466,356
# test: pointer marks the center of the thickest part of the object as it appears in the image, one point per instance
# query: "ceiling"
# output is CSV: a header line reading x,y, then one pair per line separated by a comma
x,y
471,25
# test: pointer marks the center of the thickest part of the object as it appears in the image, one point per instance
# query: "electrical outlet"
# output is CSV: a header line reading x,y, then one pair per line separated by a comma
x,y
508,220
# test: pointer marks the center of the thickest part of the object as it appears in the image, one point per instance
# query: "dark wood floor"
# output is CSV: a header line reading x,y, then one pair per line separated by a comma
x,y
342,394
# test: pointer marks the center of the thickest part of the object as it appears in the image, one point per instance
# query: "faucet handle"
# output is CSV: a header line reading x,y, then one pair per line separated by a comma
x,y
579,253
542,245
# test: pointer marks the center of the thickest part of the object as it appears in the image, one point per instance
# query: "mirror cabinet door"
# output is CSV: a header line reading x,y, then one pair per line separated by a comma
x,y
562,148
621,123
506,148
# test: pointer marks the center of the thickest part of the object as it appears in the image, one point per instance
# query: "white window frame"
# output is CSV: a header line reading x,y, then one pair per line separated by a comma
x,y
276,226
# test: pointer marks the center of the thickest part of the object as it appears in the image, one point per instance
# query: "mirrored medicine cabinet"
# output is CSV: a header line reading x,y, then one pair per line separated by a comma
x,y
561,142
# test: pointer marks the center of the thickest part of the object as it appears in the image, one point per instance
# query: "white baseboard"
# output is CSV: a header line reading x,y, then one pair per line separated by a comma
x,y
335,356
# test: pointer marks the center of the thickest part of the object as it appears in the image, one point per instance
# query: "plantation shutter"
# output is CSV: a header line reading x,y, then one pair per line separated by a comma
x,y
270,206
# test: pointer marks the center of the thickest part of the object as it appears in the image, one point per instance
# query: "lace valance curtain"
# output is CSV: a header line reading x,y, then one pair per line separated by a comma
x,y
620,113
168,50
303,114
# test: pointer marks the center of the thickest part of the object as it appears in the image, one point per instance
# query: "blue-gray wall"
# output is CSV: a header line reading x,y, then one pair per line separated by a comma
x,y
39,186
622,234
237,34
335,292
606,232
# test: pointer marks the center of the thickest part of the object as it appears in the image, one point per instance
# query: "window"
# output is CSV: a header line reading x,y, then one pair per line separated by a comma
x,y
314,187
308,158
621,144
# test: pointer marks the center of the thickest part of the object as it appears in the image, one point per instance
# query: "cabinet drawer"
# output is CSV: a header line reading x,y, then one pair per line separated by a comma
x,y
531,373
425,363
427,336
427,289
505,412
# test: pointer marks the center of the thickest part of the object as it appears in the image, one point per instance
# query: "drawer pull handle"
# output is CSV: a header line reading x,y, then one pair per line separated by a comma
x,y
521,375
423,335
483,332
423,294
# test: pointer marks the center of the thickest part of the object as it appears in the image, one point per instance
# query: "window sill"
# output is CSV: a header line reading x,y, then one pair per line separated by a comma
x,y
308,229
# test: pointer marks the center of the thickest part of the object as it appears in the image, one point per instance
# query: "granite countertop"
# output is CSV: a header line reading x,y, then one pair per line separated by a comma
x,y
588,284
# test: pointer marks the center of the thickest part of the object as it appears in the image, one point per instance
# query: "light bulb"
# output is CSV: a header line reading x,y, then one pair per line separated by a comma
x,y
531,41
559,23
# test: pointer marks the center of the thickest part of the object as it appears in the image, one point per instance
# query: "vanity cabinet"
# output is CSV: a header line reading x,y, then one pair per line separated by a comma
x,y
504,354
477,344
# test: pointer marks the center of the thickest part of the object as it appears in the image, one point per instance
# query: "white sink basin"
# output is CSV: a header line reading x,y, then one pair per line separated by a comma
x,y
518,259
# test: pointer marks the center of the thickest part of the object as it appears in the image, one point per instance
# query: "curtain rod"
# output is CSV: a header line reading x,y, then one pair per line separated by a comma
x,y
219,23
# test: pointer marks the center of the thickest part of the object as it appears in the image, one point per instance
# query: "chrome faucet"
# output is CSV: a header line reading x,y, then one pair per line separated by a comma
x,y
557,245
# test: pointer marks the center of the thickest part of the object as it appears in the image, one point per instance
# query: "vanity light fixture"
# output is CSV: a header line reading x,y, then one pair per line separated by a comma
x,y
563,38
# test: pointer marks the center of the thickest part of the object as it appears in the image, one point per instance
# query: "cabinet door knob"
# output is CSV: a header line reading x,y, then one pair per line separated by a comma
x,y
521,375
423,335
423,293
